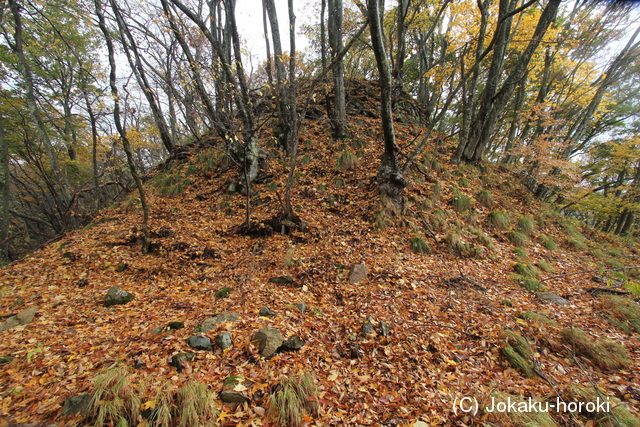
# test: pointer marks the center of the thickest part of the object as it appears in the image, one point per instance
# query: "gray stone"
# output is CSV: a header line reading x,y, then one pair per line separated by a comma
x,y
223,340
269,340
357,273
178,360
77,405
551,297
199,342
10,323
301,306
367,327
175,325
293,343
156,331
229,395
213,322
384,329
26,316
117,296
264,311
281,279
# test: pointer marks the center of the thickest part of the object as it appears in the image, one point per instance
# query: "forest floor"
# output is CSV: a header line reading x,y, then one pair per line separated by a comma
x,y
449,310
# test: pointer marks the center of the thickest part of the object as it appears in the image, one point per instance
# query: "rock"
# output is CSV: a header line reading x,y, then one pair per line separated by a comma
x,y
116,296
156,331
269,340
264,311
26,316
367,327
301,306
229,394
357,273
293,343
214,322
77,405
175,325
199,342
178,360
281,279
223,340
223,293
384,329
551,297
82,283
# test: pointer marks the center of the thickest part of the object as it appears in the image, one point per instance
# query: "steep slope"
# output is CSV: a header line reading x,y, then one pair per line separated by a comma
x,y
452,309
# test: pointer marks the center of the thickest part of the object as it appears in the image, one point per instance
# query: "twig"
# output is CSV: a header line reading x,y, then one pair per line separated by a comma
x,y
559,276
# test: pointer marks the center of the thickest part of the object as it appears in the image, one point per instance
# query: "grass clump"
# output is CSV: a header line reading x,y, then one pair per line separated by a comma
x,y
347,161
498,220
295,396
527,270
548,242
518,352
625,311
461,203
526,225
618,415
195,405
438,219
521,253
115,400
460,248
436,192
420,246
538,318
485,198
517,238
602,352
545,266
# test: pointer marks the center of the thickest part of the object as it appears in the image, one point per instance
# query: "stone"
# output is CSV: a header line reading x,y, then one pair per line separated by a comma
x,y
293,343
175,325
264,311
223,293
178,360
229,394
10,323
384,329
269,340
367,327
213,322
223,340
551,297
301,306
117,296
281,279
358,273
156,331
26,316
199,342
77,405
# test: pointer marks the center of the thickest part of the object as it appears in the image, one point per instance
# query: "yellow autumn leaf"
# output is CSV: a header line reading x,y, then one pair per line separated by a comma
x,y
149,404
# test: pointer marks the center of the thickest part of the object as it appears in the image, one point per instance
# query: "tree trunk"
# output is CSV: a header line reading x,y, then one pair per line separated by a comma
x,y
130,47
339,115
121,130
267,44
5,179
389,177
398,69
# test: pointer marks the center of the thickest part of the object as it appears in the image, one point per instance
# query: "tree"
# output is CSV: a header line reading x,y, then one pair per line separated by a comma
x,y
339,113
4,195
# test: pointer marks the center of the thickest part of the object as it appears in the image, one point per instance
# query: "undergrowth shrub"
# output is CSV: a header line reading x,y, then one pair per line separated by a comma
x,y
617,416
436,192
461,203
518,353
517,238
115,400
526,225
347,161
537,418
602,352
485,198
626,313
526,269
460,248
498,220
538,318
295,396
545,266
548,242
420,246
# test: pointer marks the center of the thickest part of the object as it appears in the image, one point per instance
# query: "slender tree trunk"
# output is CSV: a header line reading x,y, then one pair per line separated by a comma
x,y
267,37
30,99
5,179
389,177
401,28
133,56
339,115
121,130
323,35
